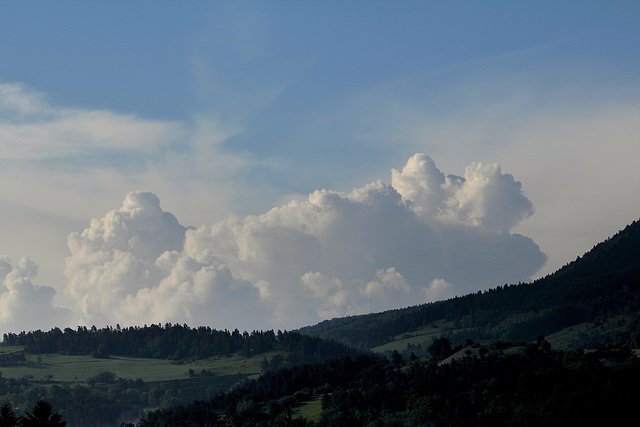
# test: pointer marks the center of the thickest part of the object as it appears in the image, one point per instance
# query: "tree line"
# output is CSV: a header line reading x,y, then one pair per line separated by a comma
x,y
174,342
154,341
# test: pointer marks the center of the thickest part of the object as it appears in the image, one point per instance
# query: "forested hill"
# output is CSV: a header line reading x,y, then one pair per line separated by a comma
x,y
601,285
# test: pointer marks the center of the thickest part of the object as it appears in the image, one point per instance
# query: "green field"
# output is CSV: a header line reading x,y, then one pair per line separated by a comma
x,y
423,336
163,382
80,368
575,336
311,410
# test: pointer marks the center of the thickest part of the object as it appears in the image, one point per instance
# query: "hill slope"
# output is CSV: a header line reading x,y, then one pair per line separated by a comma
x,y
101,377
598,294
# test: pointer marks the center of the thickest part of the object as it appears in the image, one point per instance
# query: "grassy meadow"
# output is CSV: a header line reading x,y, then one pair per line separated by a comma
x,y
80,368
580,335
311,409
423,336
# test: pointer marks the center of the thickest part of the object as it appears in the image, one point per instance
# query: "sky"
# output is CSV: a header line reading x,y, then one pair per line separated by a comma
x,y
270,164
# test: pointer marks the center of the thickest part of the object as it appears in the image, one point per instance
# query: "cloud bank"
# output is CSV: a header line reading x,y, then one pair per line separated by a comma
x,y
426,236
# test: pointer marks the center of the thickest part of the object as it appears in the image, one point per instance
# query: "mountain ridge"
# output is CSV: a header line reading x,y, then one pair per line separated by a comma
x,y
603,282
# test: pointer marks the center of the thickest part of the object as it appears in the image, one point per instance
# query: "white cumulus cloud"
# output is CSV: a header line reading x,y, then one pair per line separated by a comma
x,y
23,305
484,196
380,246
438,289
130,267
388,279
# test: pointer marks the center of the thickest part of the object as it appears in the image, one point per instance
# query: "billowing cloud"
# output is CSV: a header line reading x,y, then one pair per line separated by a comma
x,y
129,267
380,246
438,289
388,279
484,196
23,305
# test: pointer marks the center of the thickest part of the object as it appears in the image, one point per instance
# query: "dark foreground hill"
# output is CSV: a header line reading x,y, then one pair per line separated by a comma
x,y
504,385
597,296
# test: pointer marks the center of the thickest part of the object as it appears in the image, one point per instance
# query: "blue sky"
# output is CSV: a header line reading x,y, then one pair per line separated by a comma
x,y
228,109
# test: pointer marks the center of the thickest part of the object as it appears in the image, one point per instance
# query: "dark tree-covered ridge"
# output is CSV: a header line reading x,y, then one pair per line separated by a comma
x,y
177,342
155,341
602,283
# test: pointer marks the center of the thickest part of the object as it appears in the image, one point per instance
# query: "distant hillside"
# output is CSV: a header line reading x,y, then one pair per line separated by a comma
x,y
592,301
102,377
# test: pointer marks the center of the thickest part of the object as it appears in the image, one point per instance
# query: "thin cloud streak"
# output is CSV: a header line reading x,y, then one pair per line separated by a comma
x,y
37,131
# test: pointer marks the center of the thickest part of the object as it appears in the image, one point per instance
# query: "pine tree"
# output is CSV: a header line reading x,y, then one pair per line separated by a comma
x,y
7,416
42,416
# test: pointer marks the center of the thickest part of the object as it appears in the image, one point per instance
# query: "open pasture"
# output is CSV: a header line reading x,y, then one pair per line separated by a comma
x,y
80,368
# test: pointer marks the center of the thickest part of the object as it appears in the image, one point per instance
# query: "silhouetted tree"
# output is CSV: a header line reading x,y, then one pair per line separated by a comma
x,y
42,416
7,416
440,349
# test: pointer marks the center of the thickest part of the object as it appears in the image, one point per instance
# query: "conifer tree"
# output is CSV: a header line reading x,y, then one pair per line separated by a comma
x,y
42,416
7,416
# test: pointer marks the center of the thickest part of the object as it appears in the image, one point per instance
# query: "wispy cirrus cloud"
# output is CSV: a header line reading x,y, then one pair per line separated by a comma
x,y
32,129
